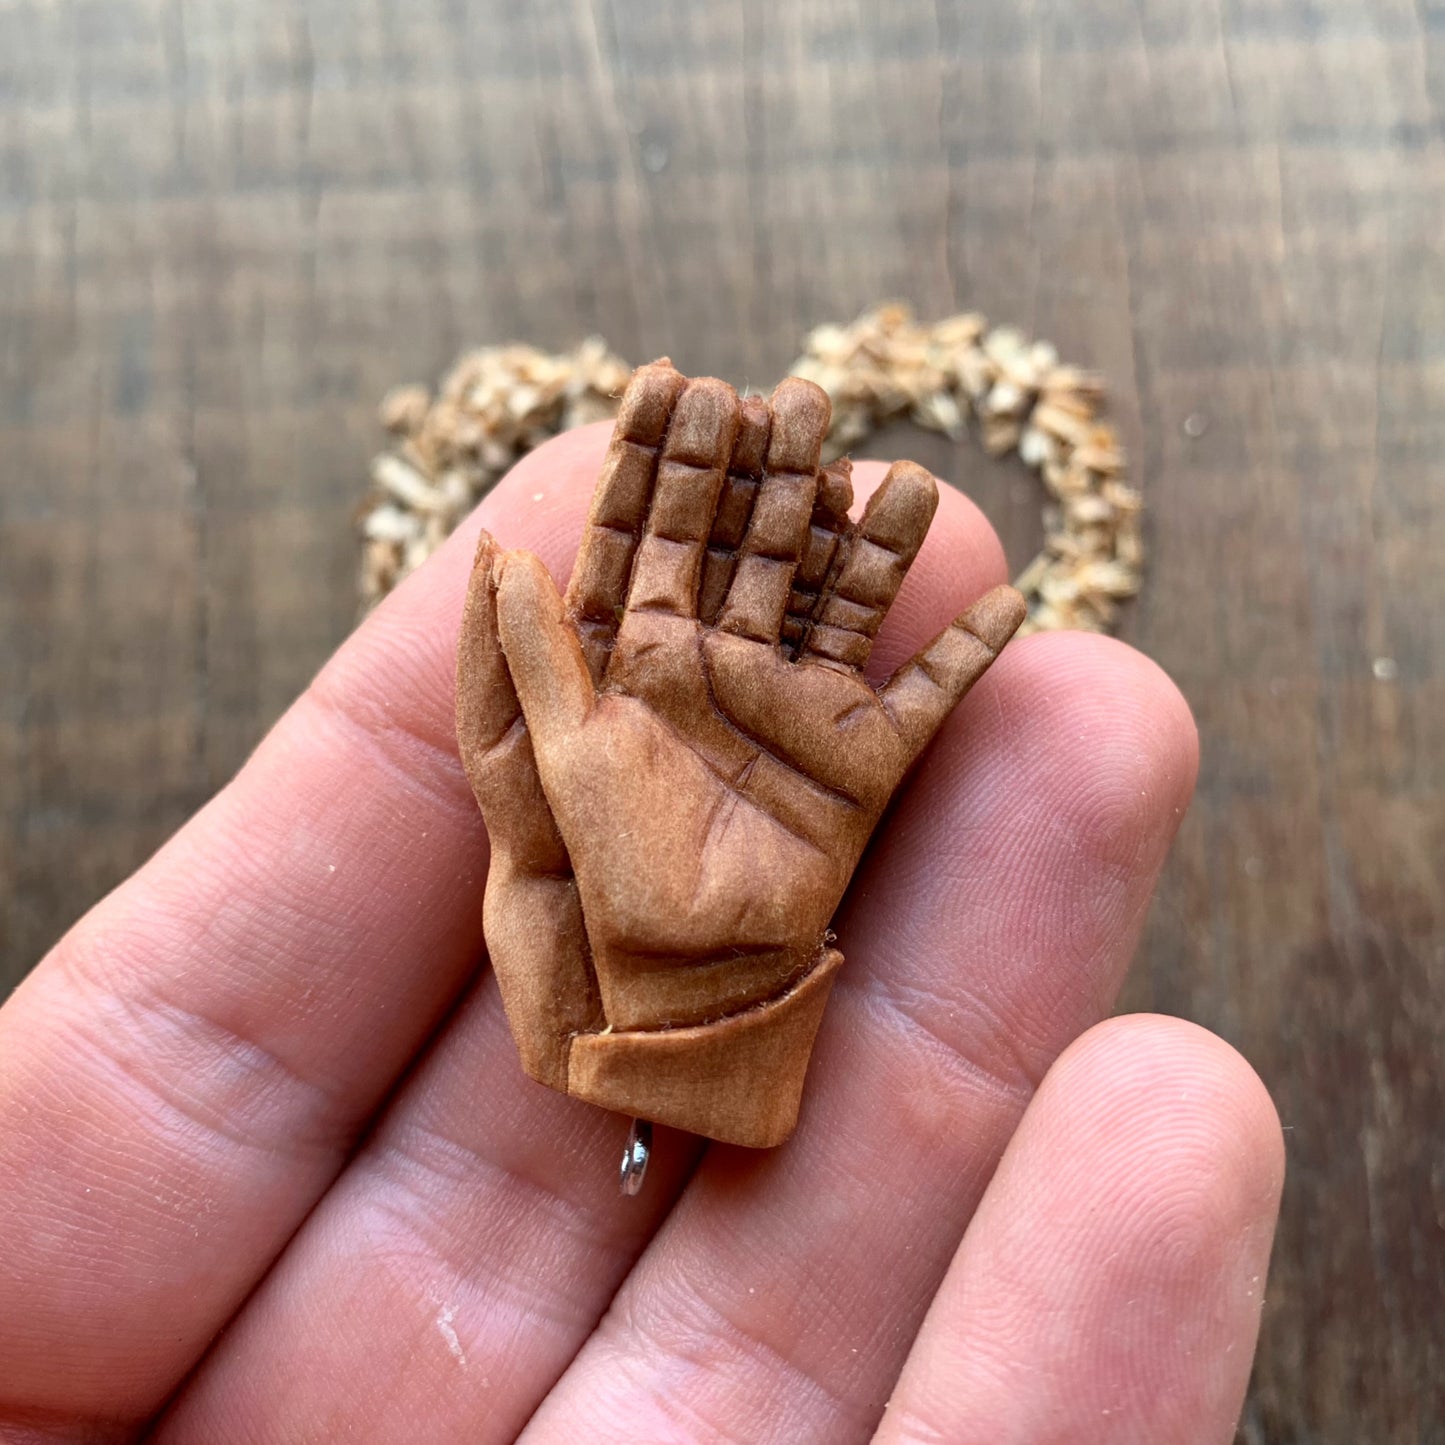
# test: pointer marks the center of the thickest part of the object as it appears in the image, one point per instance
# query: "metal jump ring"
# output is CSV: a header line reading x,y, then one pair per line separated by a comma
x,y
635,1157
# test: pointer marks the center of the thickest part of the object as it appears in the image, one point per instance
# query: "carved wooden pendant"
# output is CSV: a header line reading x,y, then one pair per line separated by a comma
x,y
680,764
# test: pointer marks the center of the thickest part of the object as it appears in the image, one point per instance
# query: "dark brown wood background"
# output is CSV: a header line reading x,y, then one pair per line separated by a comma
x,y
225,229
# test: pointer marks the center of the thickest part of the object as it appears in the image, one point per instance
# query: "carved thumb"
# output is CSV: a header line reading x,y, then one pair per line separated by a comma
x,y
543,654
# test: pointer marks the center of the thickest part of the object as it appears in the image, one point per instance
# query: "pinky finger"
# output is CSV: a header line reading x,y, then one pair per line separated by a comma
x,y
1109,1286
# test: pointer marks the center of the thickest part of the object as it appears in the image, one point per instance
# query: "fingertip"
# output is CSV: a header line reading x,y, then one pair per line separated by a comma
x,y
527,602
908,478
485,550
802,401
1152,1160
900,512
1112,1279
522,574
1181,1118
962,529
1101,712
647,403
754,422
958,519
543,653
1157,702
835,490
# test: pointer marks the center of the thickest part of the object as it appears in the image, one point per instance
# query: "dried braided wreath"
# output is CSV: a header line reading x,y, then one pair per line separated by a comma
x,y
498,403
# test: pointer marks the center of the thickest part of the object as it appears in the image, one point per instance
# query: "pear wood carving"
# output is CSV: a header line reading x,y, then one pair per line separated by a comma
x,y
681,762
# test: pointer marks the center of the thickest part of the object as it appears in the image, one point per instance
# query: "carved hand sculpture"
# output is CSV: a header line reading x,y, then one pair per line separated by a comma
x,y
680,765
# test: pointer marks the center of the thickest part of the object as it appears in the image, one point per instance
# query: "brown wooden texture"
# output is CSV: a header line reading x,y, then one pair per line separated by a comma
x,y
225,230
675,826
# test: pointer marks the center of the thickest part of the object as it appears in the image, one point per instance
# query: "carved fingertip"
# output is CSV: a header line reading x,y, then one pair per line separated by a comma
x,y
510,569
802,398
713,394
704,423
995,617
908,479
647,403
498,565
900,512
835,488
801,415
755,419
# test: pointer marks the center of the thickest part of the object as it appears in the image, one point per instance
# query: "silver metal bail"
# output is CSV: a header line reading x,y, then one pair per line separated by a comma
x,y
635,1157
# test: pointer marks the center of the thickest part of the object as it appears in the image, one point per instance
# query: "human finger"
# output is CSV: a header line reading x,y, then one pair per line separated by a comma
x,y
188,1070
1110,1285
479,1198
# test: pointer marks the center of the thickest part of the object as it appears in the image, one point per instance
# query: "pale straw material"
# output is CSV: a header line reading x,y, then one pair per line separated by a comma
x,y
499,402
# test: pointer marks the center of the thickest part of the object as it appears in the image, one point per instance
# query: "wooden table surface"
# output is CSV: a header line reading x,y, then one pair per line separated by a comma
x,y
225,230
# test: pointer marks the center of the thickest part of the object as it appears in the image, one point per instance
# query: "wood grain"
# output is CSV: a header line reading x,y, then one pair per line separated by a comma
x,y
224,231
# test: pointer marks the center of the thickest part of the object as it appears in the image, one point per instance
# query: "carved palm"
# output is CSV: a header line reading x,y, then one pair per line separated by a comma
x,y
692,761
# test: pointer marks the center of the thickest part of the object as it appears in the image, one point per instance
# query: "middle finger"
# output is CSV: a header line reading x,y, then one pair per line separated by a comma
x,y
465,1255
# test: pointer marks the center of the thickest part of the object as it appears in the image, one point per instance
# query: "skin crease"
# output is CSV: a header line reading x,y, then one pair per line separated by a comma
x,y
190,1072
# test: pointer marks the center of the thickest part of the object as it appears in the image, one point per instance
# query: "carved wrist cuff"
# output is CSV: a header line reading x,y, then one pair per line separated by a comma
x,y
738,1080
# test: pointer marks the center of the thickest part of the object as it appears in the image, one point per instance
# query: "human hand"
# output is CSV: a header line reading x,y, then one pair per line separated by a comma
x,y
271,1171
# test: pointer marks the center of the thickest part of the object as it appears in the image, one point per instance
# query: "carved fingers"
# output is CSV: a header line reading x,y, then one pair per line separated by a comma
x,y
930,685
600,578
534,928
543,653
735,505
693,462
487,705
829,525
706,508
712,516
869,567
681,765
777,532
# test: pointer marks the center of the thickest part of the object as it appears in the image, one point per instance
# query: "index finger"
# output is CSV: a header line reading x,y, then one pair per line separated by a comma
x,y
187,1071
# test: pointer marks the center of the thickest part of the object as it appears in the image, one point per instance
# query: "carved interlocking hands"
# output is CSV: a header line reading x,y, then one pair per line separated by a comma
x,y
680,764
